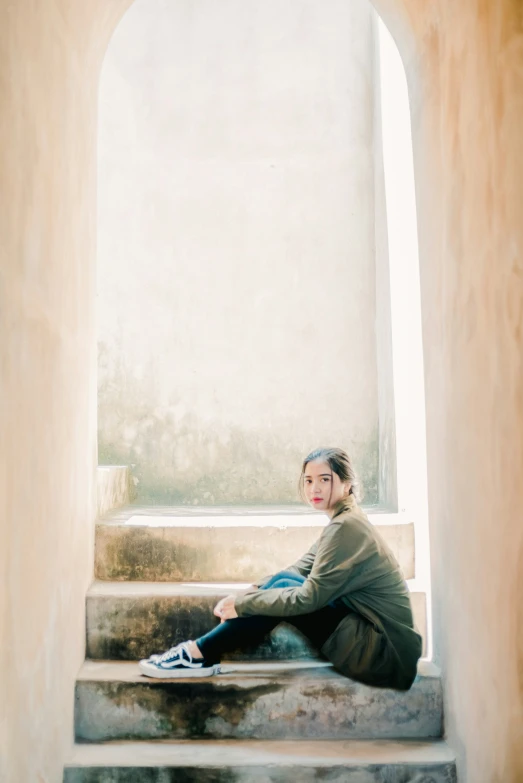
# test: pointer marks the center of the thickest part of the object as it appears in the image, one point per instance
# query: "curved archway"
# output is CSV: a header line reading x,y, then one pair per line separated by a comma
x,y
464,115
298,161
236,248
464,67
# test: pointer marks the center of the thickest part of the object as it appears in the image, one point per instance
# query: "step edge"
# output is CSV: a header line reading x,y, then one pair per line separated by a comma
x,y
285,519
101,588
358,752
427,670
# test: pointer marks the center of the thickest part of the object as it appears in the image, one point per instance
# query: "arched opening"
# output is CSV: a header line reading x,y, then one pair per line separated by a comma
x,y
464,69
247,194
258,268
236,247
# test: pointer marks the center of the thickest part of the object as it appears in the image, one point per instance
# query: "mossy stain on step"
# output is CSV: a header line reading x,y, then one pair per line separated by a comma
x,y
182,708
143,555
372,773
122,629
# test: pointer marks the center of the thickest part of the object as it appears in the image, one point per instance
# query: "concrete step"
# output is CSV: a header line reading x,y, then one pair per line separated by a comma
x,y
263,761
252,701
114,488
220,545
130,620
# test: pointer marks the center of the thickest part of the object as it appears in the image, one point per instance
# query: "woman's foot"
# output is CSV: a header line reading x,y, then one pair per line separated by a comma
x,y
192,649
179,661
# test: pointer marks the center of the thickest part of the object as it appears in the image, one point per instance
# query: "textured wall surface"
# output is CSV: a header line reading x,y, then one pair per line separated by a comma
x,y
47,376
465,68
471,233
236,273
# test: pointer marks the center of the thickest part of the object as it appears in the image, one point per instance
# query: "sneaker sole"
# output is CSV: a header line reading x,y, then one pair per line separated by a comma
x,y
177,674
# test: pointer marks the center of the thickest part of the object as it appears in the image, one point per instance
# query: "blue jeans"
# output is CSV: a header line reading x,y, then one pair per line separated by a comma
x,y
250,631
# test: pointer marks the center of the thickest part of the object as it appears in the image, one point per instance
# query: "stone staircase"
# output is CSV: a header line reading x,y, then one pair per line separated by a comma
x,y
278,713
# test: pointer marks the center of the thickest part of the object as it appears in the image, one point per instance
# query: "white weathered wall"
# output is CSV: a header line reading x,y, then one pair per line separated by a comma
x,y
236,246
388,479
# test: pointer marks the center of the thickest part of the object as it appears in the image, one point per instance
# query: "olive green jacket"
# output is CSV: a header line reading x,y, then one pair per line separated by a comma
x,y
376,642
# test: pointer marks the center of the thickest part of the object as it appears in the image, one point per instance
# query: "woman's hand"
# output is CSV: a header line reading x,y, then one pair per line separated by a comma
x,y
224,609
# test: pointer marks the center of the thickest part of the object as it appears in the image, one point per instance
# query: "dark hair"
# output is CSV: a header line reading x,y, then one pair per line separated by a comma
x,y
339,462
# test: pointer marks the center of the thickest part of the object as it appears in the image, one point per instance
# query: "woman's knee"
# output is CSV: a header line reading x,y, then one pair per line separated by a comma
x,y
284,579
285,582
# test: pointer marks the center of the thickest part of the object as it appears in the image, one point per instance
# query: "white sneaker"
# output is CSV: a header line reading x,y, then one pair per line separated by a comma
x,y
177,662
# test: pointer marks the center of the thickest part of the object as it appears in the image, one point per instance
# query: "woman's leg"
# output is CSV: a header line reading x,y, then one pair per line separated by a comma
x,y
244,631
318,626
250,631
181,661
292,580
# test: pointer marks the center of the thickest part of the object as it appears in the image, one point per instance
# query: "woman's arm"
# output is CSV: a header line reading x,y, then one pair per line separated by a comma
x,y
340,548
225,609
303,566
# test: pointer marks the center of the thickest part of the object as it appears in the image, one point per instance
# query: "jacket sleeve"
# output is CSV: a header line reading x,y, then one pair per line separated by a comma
x,y
340,547
301,567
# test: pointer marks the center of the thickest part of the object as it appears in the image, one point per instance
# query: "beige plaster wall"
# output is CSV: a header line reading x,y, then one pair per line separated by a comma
x,y
236,275
466,79
466,83
47,375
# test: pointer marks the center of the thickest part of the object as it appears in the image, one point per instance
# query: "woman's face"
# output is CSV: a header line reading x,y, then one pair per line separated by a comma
x,y
323,488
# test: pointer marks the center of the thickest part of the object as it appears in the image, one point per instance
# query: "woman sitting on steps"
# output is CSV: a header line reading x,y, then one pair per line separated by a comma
x,y
347,595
